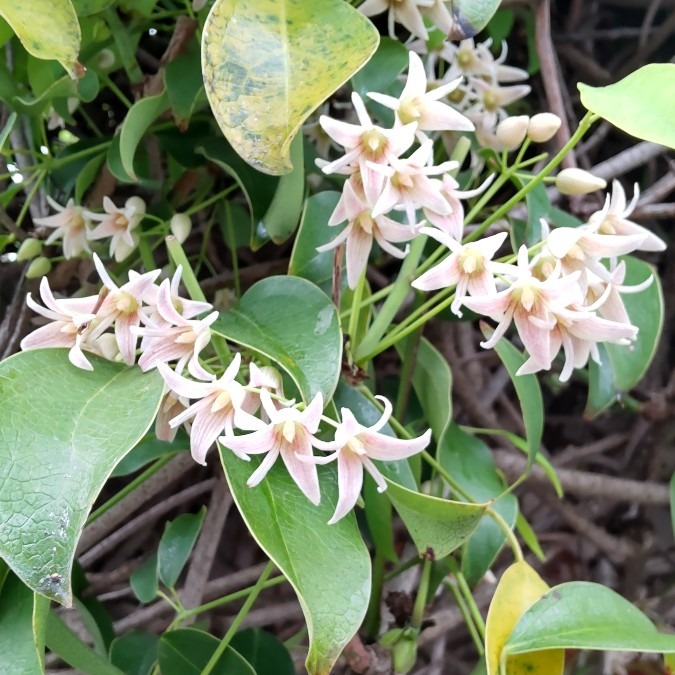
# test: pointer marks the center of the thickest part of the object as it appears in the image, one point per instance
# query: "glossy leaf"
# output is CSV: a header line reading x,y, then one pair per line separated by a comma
x,y
144,581
268,64
528,392
437,526
641,104
137,121
470,17
56,465
283,214
293,323
327,565
176,545
134,653
518,589
48,29
264,652
150,449
21,647
601,390
306,261
184,85
382,70
645,310
585,615
187,651
469,461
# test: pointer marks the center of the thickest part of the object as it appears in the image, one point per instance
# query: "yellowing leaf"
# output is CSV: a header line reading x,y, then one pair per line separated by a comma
x,y
518,589
268,64
48,29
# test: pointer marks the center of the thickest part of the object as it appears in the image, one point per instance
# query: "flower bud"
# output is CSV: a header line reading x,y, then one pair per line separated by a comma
x,y
404,654
511,132
543,127
181,226
578,182
30,248
38,268
136,203
107,345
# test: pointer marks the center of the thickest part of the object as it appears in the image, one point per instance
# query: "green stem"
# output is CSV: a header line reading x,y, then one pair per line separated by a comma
x,y
508,533
422,595
211,200
29,197
129,488
464,589
353,327
121,35
189,279
234,627
466,615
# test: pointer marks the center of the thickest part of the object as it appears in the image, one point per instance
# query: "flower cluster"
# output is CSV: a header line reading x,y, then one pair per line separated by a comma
x,y
74,226
566,296
382,180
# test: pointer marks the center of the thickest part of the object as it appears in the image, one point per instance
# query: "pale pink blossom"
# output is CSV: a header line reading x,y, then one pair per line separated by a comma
x,y
613,219
268,378
170,407
69,324
408,185
289,434
365,142
469,267
362,229
415,104
70,225
176,338
405,12
187,308
123,306
118,223
529,302
469,58
214,411
492,99
356,448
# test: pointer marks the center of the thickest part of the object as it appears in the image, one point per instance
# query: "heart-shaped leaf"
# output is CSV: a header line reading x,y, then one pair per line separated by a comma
x,y
293,323
48,29
268,64
641,104
327,565
519,588
66,431
585,615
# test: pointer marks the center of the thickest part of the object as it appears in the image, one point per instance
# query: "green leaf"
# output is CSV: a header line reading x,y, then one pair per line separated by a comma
x,y
64,643
437,526
135,652
145,580
87,176
176,545
137,121
528,392
306,261
641,104
148,450
21,646
184,85
268,64
187,651
382,70
293,323
48,29
327,565
57,464
601,390
264,652
584,615
469,461
645,310
470,17
89,7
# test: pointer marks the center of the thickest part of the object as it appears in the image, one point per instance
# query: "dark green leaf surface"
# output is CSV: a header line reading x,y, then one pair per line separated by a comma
x,y
382,70
135,652
293,323
585,615
62,434
145,580
264,652
327,565
176,545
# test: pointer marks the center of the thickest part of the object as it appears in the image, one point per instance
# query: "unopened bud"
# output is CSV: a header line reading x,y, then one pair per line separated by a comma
x,y
404,655
511,132
29,249
543,127
181,226
38,268
106,59
107,345
578,182
136,203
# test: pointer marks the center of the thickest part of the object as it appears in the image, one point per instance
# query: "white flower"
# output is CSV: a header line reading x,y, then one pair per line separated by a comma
x,y
118,223
70,225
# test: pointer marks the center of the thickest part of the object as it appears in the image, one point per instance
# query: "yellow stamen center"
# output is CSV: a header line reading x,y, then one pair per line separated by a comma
x,y
288,431
490,100
409,110
472,262
126,303
374,143
222,400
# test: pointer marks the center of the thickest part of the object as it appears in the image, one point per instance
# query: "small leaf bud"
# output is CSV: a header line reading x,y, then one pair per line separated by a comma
x,y
543,127
181,226
38,268
511,132
578,182
30,248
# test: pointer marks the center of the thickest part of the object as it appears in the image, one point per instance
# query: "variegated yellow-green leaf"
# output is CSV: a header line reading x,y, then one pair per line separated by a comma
x,y
268,64
48,29
518,589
